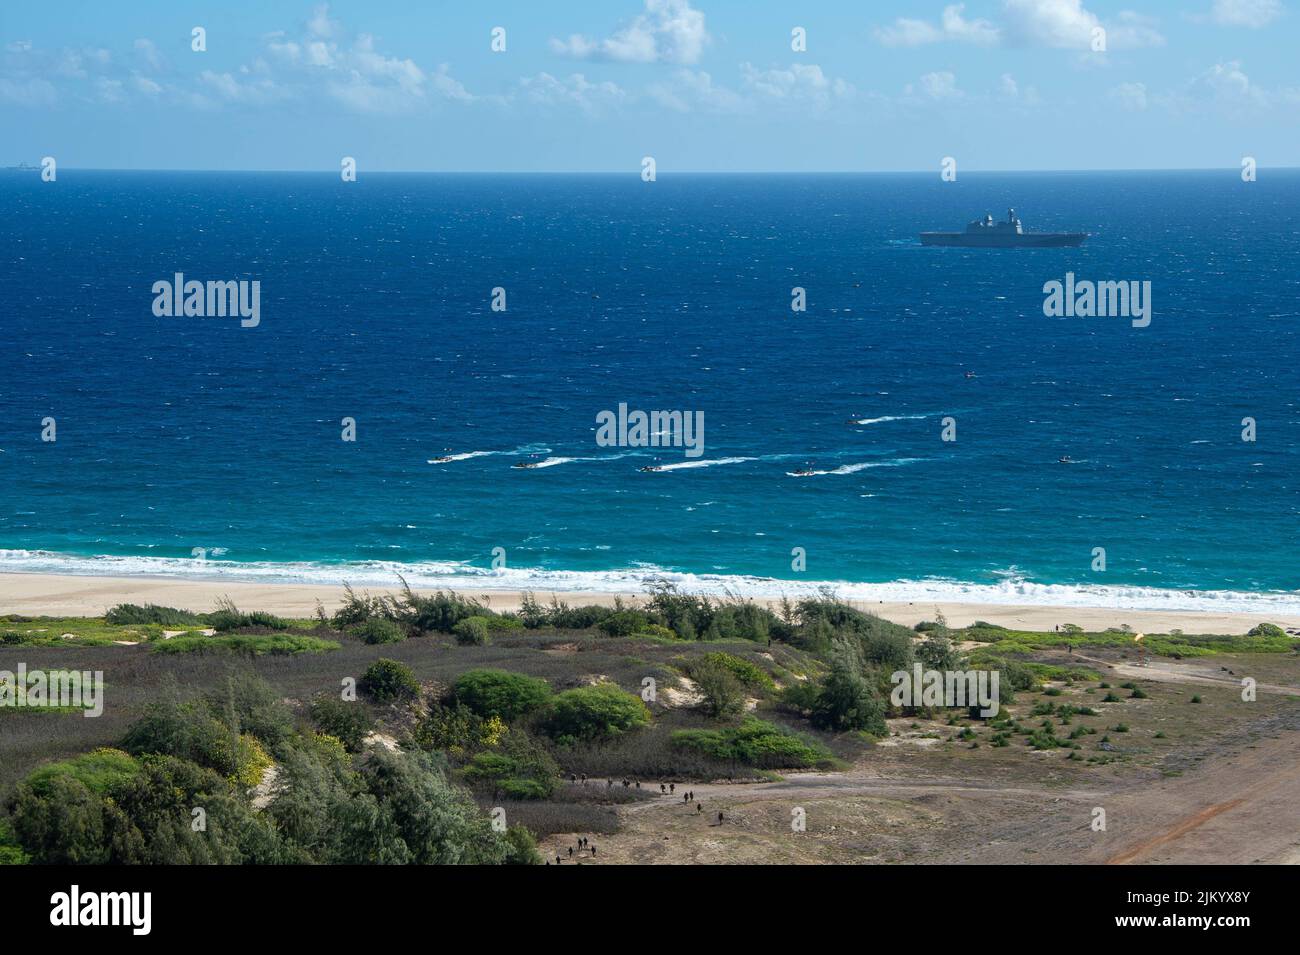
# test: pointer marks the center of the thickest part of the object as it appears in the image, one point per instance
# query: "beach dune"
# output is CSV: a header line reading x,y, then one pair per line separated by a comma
x,y
78,596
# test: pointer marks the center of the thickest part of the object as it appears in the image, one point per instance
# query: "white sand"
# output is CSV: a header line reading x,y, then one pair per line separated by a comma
x,y
73,596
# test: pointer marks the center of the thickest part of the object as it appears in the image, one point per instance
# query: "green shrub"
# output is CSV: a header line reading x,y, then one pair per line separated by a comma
x,y
1266,630
358,608
656,630
471,632
246,644
623,623
378,630
228,617
595,712
756,743
125,615
101,771
722,693
455,730
388,681
248,703
350,723
187,730
499,693
749,674
520,769
846,701
522,847
739,621
438,612
11,853
560,615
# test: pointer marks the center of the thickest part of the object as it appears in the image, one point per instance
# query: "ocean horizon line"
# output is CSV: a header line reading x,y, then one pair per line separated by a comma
x,y
635,172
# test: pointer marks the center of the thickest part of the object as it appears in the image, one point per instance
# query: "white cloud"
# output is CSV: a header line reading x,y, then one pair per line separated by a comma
x,y
1224,89
800,83
1245,13
575,90
144,85
906,31
232,89
1058,24
1131,95
149,55
1226,84
320,25
358,74
1133,30
28,91
690,89
669,31
941,85
109,90
1067,24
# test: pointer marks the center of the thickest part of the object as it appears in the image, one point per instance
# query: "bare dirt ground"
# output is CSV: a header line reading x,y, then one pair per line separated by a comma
x,y
1220,784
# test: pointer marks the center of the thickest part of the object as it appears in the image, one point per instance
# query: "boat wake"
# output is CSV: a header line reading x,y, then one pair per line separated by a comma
x,y
855,468
712,462
890,417
467,455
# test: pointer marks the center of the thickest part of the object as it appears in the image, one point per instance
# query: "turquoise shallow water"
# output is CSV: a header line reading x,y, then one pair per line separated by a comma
x,y
183,433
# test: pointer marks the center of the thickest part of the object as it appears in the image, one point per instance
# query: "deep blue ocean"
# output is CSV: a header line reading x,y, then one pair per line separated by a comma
x,y
177,433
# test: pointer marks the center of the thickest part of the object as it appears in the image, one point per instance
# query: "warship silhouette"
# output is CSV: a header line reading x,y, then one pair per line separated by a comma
x,y
987,234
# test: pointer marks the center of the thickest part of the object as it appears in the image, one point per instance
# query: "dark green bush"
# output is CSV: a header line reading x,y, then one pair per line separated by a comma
x,y
378,630
499,693
130,614
471,632
754,743
349,722
623,623
388,681
595,712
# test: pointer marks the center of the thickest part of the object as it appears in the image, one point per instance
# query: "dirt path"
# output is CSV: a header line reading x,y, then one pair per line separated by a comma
x,y
1191,673
1231,800
1239,810
851,818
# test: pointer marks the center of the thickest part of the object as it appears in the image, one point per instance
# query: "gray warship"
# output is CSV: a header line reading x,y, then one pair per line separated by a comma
x,y
987,234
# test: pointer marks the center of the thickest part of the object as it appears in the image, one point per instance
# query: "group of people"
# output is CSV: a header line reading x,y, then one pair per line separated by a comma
x,y
584,845
666,789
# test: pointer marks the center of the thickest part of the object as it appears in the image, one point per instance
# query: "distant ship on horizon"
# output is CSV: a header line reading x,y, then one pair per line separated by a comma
x,y
986,234
22,167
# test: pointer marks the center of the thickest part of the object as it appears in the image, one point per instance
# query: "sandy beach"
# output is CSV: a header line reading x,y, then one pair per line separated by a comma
x,y
66,595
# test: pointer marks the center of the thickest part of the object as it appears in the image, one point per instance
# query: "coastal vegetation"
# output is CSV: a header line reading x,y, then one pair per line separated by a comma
x,y
556,715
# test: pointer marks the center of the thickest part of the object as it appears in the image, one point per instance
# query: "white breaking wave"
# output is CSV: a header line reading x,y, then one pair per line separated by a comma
x,y
457,575
891,417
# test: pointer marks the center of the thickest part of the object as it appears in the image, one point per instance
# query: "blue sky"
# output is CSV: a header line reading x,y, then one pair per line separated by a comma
x,y
701,85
